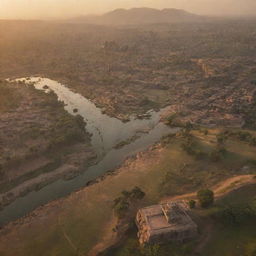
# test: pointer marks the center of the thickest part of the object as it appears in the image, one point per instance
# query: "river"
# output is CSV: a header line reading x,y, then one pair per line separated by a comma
x,y
107,132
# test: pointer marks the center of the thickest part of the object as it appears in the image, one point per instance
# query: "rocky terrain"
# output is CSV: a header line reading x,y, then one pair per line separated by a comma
x,y
205,71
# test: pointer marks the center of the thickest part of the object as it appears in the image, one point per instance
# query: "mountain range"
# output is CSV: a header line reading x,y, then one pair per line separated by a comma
x,y
140,16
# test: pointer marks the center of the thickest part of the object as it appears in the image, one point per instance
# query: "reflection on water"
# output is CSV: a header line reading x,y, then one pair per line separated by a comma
x,y
106,132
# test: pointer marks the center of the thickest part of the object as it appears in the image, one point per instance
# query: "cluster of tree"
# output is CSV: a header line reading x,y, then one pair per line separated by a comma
x,y
244,136
114,46
218,153
247,111
67,130
205,199
122,203
174,180
191,147
235,214
189,144
132,248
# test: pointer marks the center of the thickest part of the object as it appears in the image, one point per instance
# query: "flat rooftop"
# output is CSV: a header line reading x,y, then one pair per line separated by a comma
x,y
157,222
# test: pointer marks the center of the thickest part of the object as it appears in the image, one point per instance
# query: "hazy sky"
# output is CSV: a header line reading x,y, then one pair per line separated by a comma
x,y
30,9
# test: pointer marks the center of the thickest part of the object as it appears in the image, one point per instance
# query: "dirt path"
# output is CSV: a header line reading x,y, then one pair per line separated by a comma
x,y
221,189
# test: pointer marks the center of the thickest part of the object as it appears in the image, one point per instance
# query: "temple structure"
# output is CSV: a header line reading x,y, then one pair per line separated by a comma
x,y
166,222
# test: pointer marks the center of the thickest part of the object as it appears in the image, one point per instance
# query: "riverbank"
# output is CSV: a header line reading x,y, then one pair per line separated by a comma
x,y
40,141
80,166
86,216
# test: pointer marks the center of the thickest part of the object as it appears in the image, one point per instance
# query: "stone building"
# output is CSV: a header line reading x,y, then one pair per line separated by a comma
x,y
166,222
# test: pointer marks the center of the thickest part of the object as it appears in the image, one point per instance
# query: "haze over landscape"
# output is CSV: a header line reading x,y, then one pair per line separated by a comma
x,y
38,9
127,128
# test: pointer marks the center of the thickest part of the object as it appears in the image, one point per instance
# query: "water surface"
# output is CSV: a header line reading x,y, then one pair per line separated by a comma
x,y
106,132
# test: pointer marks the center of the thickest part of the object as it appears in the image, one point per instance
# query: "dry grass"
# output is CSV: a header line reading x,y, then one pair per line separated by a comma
x,y
85,214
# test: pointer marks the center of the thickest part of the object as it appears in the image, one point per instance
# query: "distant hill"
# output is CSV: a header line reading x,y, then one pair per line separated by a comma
x,y
141,16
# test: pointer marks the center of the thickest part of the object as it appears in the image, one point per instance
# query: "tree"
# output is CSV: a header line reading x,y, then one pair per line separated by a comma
x,y
205,197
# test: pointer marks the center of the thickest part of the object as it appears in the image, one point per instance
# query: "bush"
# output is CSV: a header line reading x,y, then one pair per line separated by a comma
x,y
188,145
253,82
192,204
205,197
206,132
122,203
137,193
218,153
253,205
169,119
236,214
121,207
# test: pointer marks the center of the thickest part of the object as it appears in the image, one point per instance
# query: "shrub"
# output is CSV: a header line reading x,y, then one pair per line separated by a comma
x,y
188,127
121,207
137,193
188,145
253,205
236,214
221,138
206,132
169,119
122,204
218,153
205,197
192,204
152,250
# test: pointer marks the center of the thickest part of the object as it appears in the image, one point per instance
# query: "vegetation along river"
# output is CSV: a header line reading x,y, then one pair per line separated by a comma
x,y
107,132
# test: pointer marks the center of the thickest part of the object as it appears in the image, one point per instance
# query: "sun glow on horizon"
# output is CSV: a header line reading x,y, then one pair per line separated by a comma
x,y
37,9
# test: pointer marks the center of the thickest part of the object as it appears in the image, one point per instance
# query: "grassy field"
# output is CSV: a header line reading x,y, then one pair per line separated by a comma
x,y
80,221
237,239
225,240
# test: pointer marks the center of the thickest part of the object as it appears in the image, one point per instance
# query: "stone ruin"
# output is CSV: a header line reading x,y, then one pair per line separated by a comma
x,y
165,222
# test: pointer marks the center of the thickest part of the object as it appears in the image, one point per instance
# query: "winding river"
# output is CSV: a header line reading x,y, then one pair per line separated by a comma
x,y
107,132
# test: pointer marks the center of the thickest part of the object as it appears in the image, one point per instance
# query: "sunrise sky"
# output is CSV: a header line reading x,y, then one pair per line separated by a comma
x,y
31,9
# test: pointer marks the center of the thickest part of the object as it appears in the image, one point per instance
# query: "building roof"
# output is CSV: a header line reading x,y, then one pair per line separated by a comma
x,y
165,218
